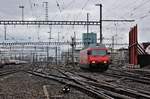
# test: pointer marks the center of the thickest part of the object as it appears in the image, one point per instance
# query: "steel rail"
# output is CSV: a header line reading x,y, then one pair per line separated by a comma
x,y
4,73
111,87
87,90
129,75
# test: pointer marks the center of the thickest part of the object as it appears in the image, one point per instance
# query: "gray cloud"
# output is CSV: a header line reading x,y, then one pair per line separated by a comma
x,y
76,10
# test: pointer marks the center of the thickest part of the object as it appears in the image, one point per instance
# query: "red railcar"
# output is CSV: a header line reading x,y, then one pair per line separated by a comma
x,y
95,58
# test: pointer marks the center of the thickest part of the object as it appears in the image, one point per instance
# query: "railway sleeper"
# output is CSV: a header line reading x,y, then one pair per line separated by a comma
x,y
85,89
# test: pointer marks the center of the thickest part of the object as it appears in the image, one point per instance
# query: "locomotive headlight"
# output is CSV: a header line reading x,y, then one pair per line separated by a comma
x,y
93,61
105,62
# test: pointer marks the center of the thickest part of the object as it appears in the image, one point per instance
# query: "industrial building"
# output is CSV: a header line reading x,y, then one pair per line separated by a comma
x,y
89,38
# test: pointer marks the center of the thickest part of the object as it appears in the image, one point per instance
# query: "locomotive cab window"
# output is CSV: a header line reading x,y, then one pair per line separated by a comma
x,y
99,52
88,52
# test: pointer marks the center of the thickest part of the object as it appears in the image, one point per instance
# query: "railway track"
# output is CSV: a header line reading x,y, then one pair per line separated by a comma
x,y
64,80
143,72
11,69
8,72
93,87
114,87
124,75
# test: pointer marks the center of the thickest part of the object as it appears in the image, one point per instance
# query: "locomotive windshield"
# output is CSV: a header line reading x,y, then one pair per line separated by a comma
x,y
99,52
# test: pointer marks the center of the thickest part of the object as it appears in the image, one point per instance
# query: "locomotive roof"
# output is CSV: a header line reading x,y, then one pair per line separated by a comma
x,y
100,46
97,46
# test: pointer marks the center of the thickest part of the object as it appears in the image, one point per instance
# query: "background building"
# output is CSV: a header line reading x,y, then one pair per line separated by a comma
x,y
89,38
66,56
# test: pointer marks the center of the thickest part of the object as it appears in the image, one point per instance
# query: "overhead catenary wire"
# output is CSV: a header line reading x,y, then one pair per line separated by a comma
x,y
9,37
139,6
69,4
86,3
144,16
110,12
31,7
63,4
128,7
58,5
86,6
116,7
132,11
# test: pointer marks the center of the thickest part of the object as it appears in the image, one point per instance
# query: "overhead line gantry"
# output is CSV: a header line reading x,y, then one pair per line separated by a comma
x,y
47,22
26,22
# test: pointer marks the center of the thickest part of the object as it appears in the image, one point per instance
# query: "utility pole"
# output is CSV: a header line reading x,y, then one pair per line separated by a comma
x,y
34,53
38,35
113,44
74,39
58,49
87,23
5,31
72,45
50,31
22,7
47,53
58,36
87,29
56,55
46,10
68,55
101,35
22,55
46,19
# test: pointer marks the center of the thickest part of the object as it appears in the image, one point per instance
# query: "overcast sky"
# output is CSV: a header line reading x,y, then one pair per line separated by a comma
x,y
138,10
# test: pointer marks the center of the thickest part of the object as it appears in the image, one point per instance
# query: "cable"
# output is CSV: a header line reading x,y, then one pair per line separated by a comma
x,y
30,3
86,3
139,6
63,4
144,16
119,5
69,4
121,17
12,38
58,5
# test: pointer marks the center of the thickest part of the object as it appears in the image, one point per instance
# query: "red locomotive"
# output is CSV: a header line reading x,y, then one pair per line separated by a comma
x,y
95,58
